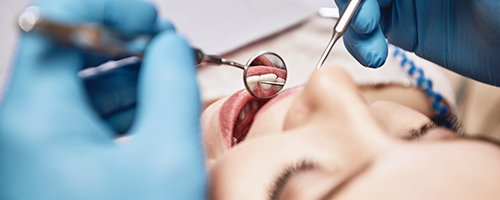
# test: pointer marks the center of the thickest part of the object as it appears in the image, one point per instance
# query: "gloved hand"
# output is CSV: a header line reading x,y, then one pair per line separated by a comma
x,y
460,35
53,145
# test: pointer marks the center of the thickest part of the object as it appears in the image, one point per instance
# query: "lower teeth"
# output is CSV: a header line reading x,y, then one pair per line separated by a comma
x,y
245,120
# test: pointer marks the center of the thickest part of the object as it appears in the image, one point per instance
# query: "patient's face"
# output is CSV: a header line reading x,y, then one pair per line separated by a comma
x,y
328,140
240,117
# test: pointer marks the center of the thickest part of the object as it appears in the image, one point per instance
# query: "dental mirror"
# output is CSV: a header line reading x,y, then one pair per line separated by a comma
x,y
265,75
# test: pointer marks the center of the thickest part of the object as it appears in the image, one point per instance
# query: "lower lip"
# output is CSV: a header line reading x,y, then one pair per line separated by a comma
x,y
229,112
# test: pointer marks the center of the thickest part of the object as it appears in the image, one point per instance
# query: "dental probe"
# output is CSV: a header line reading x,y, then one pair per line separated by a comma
x,y
214,59
89,37
340,28
95,38
98,39
272,83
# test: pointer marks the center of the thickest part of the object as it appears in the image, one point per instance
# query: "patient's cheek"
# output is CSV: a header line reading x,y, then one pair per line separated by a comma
x,y
213,142
297,116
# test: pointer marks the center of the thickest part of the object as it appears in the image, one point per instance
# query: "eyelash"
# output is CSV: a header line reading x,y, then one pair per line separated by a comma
x,y
287,173
449,121
417,133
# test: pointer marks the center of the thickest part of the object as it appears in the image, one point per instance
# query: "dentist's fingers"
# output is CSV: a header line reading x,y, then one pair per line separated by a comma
x,y
45,95
168,108
370,50
136,45
128,18
366,19
364,38
44,79
166,133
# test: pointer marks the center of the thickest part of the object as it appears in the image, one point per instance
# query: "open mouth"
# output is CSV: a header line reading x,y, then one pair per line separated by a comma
x,y
238,111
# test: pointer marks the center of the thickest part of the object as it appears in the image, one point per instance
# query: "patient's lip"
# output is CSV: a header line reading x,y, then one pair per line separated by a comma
x,y
229,112
232,107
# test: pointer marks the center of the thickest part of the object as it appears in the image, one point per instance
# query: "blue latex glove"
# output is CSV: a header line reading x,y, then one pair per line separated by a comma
x,y
461,35
54,146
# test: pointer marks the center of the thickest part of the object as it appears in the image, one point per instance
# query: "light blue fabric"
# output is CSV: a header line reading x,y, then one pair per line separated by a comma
x,y
461,35
54,146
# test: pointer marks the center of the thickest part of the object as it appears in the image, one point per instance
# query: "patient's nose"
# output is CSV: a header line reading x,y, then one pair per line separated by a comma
x,y
330,93
331,104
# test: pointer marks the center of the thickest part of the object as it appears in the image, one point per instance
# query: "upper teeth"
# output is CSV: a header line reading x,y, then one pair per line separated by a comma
x,y
252,81
280,80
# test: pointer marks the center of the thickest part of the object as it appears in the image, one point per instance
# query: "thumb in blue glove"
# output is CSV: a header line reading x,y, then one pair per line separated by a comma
x,y
364,39
53,145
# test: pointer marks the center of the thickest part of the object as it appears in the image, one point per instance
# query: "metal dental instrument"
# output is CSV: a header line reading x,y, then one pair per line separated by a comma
x,y
89,37
340,28
99,40
265,62
214,59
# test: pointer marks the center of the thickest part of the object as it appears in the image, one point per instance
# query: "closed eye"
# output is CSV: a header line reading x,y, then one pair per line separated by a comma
x,y
286,174
449,121
419,132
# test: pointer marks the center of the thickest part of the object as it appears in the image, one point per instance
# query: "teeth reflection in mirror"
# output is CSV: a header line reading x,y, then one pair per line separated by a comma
x,y
280,80
265,86
252,82
268,77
